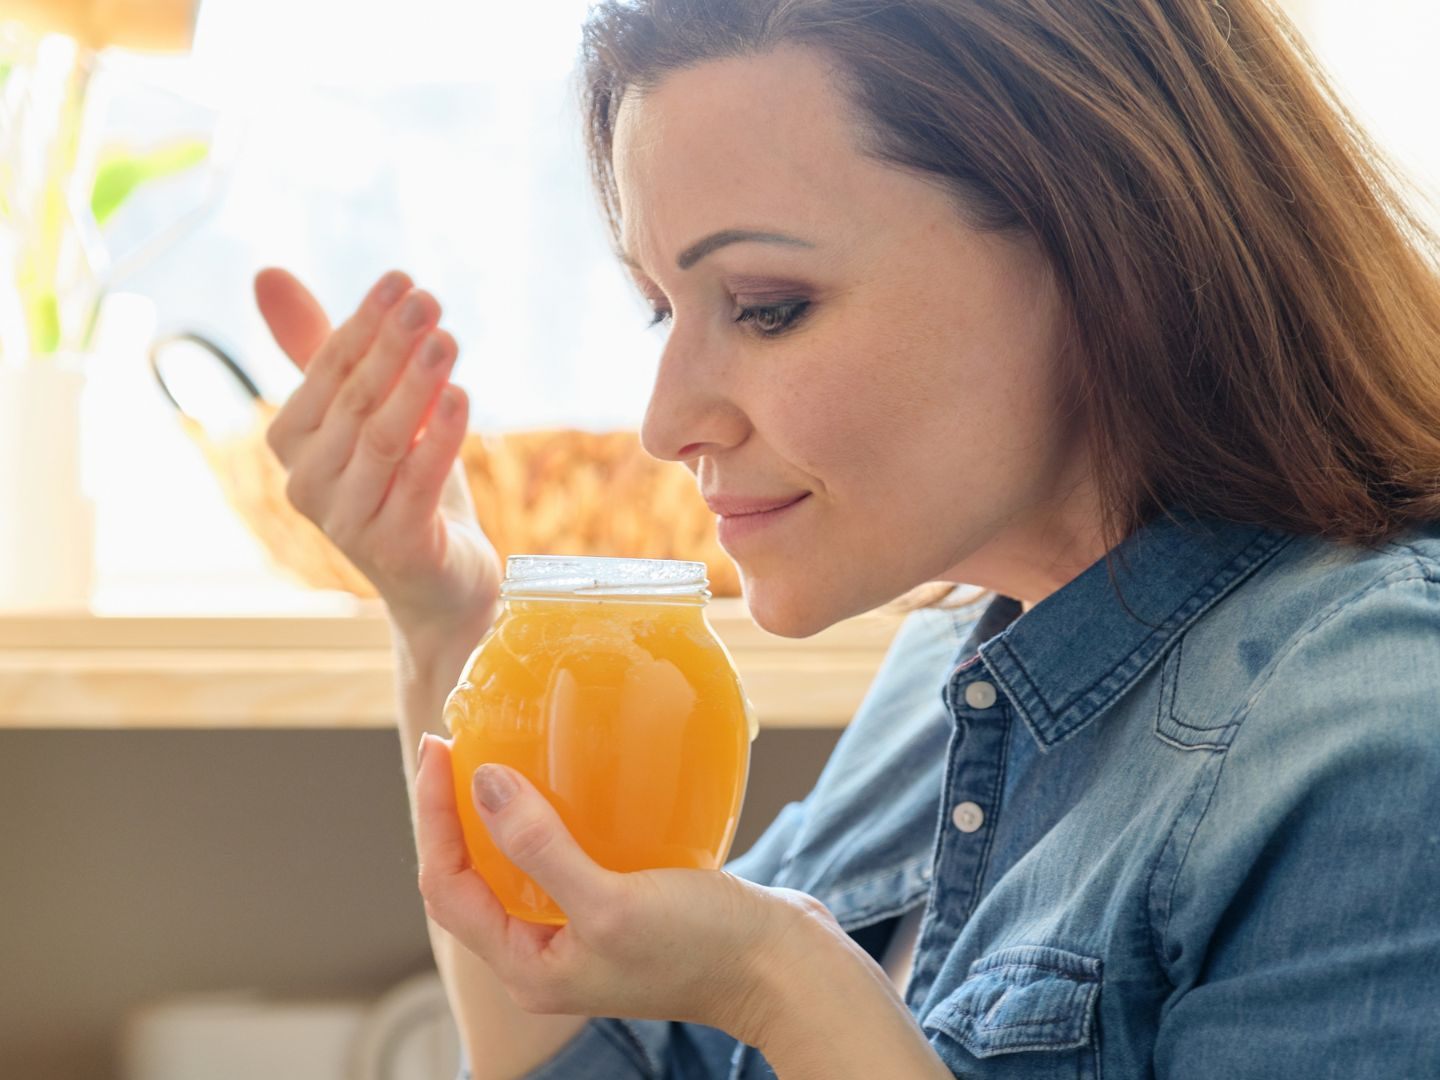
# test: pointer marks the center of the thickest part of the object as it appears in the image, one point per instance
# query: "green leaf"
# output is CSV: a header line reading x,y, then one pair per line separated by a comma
x,y
44,319
121,171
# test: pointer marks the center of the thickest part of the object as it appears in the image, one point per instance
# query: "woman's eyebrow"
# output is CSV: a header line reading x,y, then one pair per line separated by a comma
x,y
716,240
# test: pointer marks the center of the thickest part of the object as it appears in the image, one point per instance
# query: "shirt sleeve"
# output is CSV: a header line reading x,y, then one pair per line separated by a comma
x,y
614,1049
1303,931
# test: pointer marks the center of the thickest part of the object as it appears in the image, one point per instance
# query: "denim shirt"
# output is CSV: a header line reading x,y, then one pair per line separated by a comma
x,y
1189,830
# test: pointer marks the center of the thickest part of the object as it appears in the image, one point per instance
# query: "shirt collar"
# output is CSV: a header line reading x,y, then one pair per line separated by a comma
x,y
1081,648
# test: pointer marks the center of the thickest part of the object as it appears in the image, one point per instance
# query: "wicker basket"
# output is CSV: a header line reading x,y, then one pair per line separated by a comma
x,y
536,493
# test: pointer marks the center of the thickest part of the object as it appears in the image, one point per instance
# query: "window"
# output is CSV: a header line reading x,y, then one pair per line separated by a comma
x,y
441,137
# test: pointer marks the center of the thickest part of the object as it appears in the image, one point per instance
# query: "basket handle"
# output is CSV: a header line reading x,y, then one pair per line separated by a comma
x,y
228,362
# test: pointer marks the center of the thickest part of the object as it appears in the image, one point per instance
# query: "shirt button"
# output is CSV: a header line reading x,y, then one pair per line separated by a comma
x,y
968,817
980,695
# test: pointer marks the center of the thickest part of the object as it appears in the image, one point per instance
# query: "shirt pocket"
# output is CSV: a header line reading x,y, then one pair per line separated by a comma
x,y
1025,1013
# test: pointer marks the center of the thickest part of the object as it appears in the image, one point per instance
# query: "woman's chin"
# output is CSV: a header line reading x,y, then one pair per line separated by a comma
x,y
784,611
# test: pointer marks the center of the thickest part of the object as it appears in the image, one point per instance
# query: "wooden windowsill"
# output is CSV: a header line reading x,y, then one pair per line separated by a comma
x,y
337,671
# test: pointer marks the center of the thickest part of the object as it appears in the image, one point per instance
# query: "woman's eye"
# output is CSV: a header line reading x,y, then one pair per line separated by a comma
x,y
772,319
768,319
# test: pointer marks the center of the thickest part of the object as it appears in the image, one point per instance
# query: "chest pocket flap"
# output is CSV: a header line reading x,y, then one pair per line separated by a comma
x,y
1029,997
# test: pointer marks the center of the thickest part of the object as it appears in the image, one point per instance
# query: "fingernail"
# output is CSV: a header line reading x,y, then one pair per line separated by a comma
x,y
413,313
433,353
493,787
392,285
449,403
420,754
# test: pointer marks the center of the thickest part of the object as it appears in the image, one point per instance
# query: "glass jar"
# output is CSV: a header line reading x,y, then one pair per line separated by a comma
x,y
604,684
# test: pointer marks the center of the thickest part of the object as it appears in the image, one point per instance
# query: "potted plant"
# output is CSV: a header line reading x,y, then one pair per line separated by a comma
x,y
58,189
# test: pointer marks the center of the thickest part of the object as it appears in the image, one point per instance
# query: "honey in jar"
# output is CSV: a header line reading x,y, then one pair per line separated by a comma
x,y
604,684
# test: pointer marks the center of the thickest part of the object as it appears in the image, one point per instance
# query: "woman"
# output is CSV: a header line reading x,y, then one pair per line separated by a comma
x,y
1105,307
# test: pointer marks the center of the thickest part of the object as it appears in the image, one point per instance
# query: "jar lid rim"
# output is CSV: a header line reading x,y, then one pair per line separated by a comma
x,y
588,574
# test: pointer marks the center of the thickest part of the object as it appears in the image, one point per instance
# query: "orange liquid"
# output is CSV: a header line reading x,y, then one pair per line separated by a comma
x,y
626,714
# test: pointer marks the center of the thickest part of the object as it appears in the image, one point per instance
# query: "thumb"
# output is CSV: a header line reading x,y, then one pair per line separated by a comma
x,y
527,829
296,319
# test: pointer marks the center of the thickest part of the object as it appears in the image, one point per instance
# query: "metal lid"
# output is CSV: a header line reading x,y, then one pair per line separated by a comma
x,y
588,575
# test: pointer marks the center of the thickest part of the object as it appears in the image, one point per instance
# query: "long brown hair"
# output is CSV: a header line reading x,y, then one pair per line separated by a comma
x,y
1256,302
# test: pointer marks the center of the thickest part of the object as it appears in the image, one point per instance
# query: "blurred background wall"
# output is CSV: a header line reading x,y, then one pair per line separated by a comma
x,y
140,865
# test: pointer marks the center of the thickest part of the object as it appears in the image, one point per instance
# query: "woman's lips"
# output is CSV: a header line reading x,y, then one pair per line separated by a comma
x,y
735,525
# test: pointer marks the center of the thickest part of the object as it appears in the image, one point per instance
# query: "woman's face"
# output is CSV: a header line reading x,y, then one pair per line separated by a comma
x,y
866,352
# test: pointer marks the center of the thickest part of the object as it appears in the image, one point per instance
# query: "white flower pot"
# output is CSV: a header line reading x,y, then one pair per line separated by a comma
x,y
47,524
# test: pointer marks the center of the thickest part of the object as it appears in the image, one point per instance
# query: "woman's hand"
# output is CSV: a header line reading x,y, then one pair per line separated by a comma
x,y
701,946
371,441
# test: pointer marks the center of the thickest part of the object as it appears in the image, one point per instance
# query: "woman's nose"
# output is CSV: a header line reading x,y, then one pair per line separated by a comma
x,y
692,408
